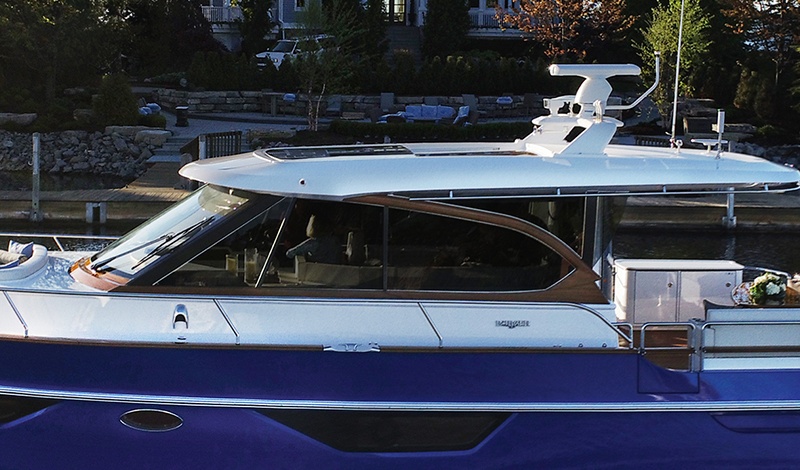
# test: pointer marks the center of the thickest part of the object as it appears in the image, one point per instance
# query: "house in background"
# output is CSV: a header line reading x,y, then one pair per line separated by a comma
x,y
405,18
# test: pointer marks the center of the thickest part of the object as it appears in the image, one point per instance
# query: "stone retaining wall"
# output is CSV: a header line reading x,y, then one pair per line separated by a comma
x,y
257,101
120,151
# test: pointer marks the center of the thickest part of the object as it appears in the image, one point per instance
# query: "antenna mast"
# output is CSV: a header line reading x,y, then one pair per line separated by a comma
x,y
677,78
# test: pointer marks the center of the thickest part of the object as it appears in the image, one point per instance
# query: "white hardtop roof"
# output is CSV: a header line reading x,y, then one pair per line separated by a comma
x,y
441,171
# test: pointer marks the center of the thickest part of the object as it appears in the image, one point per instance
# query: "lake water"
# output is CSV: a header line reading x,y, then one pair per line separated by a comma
x,y
22,181
776,250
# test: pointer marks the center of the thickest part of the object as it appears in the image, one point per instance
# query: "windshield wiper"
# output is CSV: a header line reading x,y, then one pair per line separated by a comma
x,y
167,243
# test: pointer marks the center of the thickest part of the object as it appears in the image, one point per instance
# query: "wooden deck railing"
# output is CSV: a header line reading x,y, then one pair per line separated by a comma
x,y
218,144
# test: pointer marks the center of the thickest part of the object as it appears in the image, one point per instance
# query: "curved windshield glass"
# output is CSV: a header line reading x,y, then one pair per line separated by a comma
x,y
161,235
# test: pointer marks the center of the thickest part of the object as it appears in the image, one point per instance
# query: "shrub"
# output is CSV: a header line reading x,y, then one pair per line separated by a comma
x,y
115,103
153,120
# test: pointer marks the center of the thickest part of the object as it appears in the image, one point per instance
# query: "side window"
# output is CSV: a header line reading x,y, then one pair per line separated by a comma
x,y
562,217
430,252
225,263
331,244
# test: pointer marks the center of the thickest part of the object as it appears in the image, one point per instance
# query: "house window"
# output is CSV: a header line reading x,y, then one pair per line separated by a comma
x,y
299,4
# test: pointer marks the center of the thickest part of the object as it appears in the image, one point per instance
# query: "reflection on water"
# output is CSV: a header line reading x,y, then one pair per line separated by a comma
x,y
22,181
776,250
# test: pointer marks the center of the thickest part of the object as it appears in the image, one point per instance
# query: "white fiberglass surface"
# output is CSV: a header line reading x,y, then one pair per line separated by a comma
x,y
120,318
139,248
484,325
330,323
54,275
10,323
633,168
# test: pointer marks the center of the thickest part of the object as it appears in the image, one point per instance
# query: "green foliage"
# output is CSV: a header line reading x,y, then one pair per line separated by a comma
x,y
662,35
48,45
115,103
224,71
450,76
255,25
153,120
446,26
167,35
375,42
169,79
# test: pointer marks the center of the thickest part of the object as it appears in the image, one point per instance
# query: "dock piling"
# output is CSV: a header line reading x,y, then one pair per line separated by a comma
x,y
36,213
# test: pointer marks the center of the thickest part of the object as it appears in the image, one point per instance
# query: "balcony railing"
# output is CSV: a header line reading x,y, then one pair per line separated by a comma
x,y
222,14
483,20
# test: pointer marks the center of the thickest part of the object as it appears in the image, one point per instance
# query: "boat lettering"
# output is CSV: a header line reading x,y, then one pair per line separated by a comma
x,y
511,324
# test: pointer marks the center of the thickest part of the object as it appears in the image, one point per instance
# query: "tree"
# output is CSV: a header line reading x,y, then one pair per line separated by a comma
x,y
47,44
662,35
446,26
568,28
768,26
330,69
167,33
374,37
255,25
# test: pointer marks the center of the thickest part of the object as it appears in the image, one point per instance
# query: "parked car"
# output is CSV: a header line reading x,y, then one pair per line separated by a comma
x,y
287,49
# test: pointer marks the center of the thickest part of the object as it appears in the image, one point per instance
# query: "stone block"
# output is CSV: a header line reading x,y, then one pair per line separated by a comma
x,y
127,131
23,119
152,137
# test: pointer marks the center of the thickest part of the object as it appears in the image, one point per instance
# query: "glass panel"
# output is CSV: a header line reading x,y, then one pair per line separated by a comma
x,y
162,235
284,46
224,264
562,217
428,252
331,244
399,11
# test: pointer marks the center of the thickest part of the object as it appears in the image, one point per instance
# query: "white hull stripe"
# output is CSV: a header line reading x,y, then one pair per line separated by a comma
x,y
549,407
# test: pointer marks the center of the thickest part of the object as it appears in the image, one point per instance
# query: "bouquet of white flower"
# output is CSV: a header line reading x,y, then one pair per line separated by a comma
x,y
768,286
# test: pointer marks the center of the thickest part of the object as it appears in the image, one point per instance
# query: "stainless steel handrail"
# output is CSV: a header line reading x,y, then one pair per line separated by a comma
x,y
691,329
711,324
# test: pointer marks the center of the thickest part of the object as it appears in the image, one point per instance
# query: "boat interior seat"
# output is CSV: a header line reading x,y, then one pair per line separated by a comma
x,y
23,268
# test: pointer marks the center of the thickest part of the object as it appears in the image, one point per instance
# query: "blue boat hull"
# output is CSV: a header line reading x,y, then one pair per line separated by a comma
x,y
250,408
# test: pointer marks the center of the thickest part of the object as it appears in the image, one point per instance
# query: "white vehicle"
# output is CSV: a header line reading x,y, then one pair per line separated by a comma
x,y
290,48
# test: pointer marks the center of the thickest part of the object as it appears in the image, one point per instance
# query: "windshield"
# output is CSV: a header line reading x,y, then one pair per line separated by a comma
x,y
284,46
161,235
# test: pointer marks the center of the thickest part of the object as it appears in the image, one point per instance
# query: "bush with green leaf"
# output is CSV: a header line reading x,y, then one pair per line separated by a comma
x,y
115,103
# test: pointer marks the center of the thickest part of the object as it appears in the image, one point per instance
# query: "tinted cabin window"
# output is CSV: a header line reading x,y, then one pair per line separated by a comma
x,y
562,217
319,244
429,252
329,244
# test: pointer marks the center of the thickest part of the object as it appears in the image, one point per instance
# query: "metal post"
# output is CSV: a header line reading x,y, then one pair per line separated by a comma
x,y
36,213
201,147
673,144
729,221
